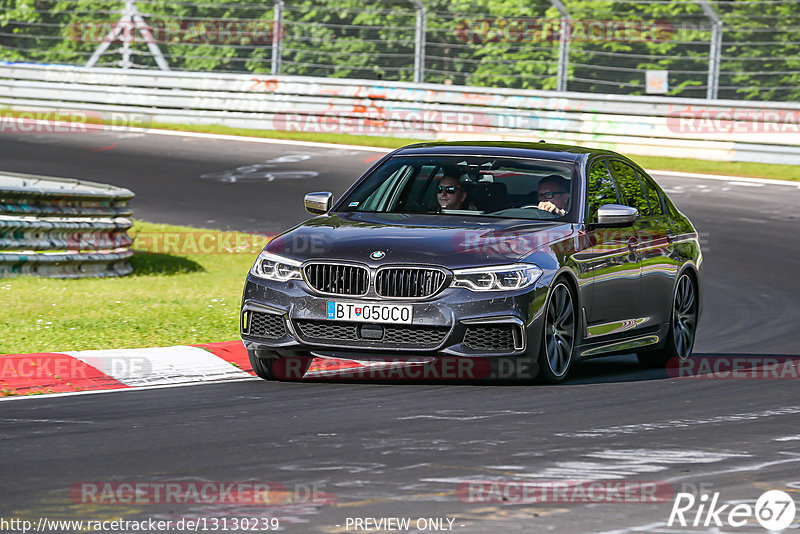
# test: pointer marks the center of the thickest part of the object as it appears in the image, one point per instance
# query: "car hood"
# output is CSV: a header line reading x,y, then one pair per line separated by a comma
x,y
450,241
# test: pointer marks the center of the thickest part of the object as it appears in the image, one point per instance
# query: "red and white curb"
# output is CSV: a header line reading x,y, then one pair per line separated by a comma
x,y
94,370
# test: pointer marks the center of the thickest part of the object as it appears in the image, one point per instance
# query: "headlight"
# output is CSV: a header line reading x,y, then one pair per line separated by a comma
x,y
500,278
274,267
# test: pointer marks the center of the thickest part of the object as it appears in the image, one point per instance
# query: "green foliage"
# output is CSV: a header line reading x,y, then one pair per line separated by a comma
x,y
495,43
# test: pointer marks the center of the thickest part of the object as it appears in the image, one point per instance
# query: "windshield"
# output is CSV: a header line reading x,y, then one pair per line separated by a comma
x,y
467,185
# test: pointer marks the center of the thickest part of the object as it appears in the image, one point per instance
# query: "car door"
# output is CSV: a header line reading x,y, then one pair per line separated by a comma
x,y
610,257
659,262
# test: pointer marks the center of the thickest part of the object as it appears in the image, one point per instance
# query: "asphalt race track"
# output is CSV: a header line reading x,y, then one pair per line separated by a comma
x,y
379,450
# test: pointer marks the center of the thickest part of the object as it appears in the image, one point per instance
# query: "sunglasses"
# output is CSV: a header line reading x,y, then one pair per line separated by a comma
x,y
450,189
549,196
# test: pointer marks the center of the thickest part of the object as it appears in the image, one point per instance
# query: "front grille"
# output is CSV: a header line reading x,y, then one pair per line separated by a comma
x,y
337,279
266,325
492,338
394,336
428,336
408,283
325,330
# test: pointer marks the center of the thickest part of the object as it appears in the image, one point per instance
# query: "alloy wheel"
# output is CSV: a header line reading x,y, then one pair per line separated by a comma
x,y
684,317
560,330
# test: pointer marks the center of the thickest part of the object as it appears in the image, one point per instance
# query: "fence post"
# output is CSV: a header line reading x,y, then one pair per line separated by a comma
x,y
715,49
419,40
277,37
123,30
563,45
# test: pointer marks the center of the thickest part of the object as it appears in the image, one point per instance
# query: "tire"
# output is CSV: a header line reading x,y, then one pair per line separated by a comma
x,y
262,367
682,327
289,369
559,334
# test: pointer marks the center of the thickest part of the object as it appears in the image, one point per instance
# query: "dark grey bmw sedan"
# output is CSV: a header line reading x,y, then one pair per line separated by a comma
x,y
537,253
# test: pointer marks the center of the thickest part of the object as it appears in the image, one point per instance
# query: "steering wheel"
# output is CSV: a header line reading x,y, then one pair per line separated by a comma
x,y
546,213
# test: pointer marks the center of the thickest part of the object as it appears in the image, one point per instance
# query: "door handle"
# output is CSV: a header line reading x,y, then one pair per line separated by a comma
x,y
633,243
670,236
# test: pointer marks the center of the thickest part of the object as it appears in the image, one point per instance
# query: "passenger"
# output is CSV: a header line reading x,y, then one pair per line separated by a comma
x,y
451,194
554,194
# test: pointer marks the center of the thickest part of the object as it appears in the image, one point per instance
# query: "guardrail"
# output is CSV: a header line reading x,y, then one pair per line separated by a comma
x,y
673,127
63,228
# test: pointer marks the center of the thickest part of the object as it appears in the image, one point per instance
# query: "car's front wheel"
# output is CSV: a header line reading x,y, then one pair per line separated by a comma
x,y
558,340
682,328
289,368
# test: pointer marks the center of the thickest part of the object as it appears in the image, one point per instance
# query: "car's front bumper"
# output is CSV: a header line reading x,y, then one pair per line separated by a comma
x,y
456,322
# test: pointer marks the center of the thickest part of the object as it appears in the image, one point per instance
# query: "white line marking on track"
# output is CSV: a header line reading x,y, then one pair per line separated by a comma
x,y
15,420
159,365
444,417
746,184
679,423
729,179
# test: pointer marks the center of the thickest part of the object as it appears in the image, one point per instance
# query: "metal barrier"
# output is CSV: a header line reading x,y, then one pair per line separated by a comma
x,y
63,228
767,132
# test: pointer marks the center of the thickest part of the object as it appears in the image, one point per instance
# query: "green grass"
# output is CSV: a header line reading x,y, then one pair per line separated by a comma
x,y
170,299
726,168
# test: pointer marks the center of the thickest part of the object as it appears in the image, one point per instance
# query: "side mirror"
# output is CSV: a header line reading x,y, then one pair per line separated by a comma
x,y
318,203
616,215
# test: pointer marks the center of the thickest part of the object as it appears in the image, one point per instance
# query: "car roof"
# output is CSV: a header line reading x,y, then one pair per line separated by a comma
x,y
551,151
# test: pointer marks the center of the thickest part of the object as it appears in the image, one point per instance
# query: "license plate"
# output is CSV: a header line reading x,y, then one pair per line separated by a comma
x,y
369,313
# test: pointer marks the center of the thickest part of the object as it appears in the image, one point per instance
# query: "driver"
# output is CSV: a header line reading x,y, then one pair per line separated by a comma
x,y
451,194
554,194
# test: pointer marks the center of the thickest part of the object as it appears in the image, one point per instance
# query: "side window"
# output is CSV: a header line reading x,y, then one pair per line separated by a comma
x,y
630,187
653,198
600,190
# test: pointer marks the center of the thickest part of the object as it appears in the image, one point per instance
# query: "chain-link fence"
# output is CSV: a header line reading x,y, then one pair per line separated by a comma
x,y
739,49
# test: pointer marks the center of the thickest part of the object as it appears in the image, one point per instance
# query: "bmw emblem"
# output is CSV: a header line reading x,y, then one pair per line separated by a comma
x,y
377,255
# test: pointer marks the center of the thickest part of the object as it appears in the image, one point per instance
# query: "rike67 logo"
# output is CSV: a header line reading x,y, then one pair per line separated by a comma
x,y
774,510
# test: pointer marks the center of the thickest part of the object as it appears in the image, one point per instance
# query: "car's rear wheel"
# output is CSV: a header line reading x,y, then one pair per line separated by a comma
x,y
288,368
558,341
682,328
